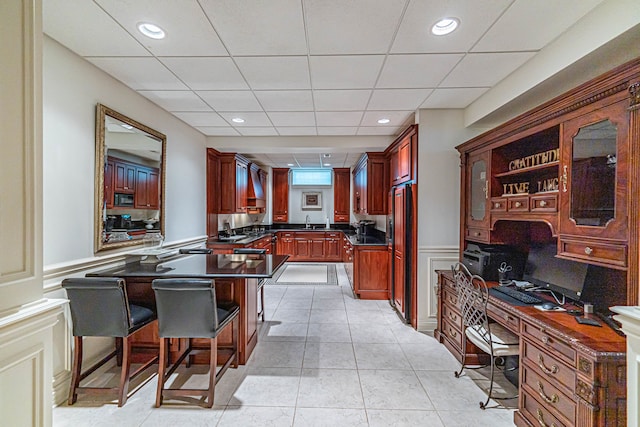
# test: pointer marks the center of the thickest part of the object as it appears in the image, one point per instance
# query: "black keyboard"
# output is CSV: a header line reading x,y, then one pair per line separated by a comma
x,y
515,294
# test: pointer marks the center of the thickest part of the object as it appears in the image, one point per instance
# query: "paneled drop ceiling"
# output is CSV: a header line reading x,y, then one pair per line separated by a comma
x,y
308,67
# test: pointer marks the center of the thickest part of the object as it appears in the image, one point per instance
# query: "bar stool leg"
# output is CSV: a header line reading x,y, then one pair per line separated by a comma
x,y
75,370
235,325
262,302
124,373
213,364
162,369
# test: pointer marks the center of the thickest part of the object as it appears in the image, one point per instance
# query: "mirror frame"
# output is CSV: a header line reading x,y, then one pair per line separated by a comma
x,y
101,112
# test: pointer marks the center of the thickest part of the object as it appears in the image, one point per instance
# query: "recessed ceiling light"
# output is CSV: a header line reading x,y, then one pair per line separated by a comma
x,y
151,30
327,164
237,120
327,155
383,121
290,164
445,26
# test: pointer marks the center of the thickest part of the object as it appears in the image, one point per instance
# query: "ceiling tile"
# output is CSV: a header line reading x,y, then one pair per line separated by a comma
x,y
342,118
254,119
230,100
341,100
258,27
378,130
377,23
296,131
485,69
519,27
397,99
292,118
285,100
258,131
139,73
218,131
345,72
453,98
343,130
414,34
106,38
196,73
188,32
397,118
281,72
175,100
408,71
197,119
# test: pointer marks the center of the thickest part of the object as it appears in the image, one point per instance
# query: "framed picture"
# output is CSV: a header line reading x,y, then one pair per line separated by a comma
x,y
312,201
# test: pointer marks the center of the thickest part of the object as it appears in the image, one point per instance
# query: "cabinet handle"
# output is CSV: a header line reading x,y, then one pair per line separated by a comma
x,y
554,397
564,179
496,205
486,189
477,233
588,250
552,371
541,420
543,203
518,204
453,333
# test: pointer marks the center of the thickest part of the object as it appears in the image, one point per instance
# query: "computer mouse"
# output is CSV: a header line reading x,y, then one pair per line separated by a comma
x,y
549,306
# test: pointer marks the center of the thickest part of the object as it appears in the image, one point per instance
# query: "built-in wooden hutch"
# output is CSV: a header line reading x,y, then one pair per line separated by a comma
x,y
567,172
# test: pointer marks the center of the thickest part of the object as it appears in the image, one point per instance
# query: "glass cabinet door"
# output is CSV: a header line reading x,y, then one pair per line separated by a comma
x,y
593,174
478,190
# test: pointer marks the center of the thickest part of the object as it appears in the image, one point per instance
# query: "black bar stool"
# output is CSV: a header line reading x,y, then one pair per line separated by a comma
x,y
261,281
187,308
100,308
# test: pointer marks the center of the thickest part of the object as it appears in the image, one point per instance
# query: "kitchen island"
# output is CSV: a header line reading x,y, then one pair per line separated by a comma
x,y
236,278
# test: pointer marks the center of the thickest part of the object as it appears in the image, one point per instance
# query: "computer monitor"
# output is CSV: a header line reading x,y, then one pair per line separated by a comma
x,y
543,269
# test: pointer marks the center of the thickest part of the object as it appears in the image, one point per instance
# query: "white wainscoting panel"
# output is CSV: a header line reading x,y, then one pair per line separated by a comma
x,y
429,260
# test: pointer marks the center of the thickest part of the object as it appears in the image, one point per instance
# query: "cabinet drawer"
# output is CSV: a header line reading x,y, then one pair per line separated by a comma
x,y
551,344
450,298
596,252
286,235
498,204
477,234
454,334
548,367
280,218
544,203
453,316
537,414
518,204
506,319
558,403
333,235
340,218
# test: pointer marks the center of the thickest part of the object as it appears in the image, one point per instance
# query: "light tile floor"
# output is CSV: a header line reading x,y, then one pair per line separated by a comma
x,y
323,359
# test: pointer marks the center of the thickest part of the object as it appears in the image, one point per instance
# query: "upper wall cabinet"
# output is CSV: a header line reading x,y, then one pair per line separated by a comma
x,y
370,184
594,189
234,179
402,156
280,194
341,193
477,189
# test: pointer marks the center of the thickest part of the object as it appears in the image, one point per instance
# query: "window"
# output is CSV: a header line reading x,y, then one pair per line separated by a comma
x,y
314,177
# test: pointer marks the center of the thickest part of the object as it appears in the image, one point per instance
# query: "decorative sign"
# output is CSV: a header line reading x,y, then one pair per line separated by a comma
x,y
541,186
535,160
515,188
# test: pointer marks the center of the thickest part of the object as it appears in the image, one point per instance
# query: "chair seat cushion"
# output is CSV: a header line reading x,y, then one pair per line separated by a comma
x,y
226,313
505,343
140,315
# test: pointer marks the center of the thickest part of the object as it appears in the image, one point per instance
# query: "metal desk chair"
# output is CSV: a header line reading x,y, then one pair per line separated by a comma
x,y
492,338
261,281
187,308
100,308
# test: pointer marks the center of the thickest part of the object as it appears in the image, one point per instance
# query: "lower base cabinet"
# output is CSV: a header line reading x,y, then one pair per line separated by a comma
x,y
371,272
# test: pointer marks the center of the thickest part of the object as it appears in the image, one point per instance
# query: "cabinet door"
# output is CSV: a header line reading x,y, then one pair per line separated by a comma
x,y
359,197
341,192
401,162
375,185
316,247
242,180
477,190
125,178
593,174
108,184
227,185
141,197
280,195
302,247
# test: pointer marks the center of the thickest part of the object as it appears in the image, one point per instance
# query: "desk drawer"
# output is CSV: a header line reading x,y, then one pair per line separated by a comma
x,y
477,235
548,367
597,252
453,316
450,298
537,414
558,403
544,203
518,204
453,333
551,344
506,319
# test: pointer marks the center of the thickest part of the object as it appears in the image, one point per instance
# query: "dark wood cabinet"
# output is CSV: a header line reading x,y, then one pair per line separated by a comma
x,y
213,192
124,177
147,195
477,202
109,170
233,183
280,204
371,272
341,194
402,157
285,245
333,246
370,184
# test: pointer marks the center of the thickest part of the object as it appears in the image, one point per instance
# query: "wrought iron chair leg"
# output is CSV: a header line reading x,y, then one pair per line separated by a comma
x,y
464,357
483,405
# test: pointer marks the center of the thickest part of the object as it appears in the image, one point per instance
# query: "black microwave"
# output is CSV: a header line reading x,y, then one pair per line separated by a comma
x,y
121,199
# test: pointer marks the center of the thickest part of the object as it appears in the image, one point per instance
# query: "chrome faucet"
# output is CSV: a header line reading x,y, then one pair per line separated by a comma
x,y
307,222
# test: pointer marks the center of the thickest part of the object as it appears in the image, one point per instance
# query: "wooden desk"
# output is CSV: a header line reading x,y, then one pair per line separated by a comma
x,y
236,278
570,374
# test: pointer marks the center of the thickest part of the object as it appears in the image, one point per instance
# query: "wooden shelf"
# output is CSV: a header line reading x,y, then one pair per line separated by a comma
x,y
525,170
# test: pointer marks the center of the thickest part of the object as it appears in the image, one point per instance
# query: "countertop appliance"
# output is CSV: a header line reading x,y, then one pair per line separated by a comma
x,y
365,227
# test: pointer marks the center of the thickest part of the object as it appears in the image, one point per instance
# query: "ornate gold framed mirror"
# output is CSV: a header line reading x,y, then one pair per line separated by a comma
x,y
129,181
